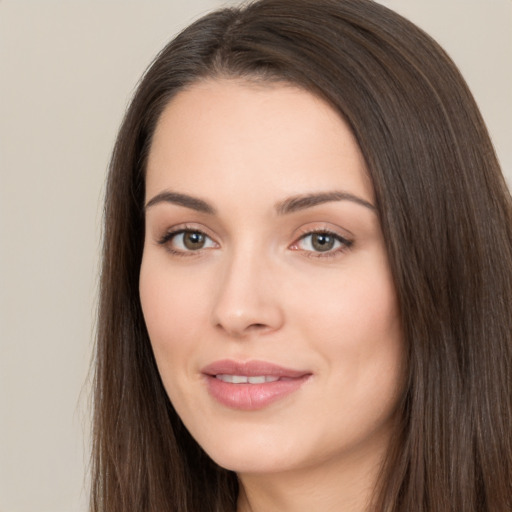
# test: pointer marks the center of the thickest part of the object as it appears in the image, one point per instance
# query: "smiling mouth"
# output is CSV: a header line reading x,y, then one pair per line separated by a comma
x,y
240,372
244,379
253,385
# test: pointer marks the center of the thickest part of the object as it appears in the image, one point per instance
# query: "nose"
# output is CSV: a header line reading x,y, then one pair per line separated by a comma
x,y
247,300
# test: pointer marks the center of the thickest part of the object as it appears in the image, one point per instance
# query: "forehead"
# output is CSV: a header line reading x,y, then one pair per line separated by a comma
x,y
233,137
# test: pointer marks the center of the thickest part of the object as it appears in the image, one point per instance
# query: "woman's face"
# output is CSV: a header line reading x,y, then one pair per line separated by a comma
x,y
265,284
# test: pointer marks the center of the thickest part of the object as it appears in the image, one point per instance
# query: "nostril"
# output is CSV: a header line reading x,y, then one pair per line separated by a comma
x,y
257,327
237,330
239,314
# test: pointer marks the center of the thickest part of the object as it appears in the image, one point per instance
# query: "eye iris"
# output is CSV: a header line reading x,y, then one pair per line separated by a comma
x,y
322,242
193,240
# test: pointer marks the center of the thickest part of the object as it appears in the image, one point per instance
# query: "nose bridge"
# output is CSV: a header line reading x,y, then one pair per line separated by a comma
x,y
246,298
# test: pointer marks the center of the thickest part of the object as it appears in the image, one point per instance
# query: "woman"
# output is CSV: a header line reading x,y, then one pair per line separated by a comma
x,y
306,286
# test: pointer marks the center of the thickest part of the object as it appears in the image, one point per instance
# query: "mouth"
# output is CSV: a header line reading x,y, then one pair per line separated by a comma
x,y
251,385
245,379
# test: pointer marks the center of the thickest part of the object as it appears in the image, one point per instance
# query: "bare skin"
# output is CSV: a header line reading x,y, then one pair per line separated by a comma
x,y
263,244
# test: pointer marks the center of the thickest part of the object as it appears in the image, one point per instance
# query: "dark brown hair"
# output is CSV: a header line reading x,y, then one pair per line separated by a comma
x,y
446,216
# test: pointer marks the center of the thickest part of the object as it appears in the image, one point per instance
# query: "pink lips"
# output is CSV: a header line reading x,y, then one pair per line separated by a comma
x,y
279,382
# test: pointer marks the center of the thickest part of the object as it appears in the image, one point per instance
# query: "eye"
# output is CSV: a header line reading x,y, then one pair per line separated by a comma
x,y
320,242
187,240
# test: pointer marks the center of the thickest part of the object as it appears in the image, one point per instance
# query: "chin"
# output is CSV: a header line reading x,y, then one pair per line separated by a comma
x,y
251,453
252,463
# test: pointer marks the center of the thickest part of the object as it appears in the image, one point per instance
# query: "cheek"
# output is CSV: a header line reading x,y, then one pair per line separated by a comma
x,y
174,311
360,340
354,323
355,310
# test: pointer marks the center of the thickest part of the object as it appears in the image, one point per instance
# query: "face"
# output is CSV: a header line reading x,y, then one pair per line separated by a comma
x,y
265,284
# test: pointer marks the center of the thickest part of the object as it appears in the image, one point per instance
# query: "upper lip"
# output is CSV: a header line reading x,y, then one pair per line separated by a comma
x,y
251,369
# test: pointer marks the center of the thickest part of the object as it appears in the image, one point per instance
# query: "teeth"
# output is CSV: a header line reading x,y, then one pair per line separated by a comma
x,y
243,379
257,380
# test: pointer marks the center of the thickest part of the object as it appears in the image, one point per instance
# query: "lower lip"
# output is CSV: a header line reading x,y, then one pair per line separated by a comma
x,y
251,397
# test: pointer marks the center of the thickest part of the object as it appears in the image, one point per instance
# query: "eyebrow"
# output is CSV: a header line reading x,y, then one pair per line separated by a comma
x,y
289,205
301,202
194,203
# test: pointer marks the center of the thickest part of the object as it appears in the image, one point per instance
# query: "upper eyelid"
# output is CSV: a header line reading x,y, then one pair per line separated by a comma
x,y
185,227
322,231
324,227
168,237
343,239
170,234
301,233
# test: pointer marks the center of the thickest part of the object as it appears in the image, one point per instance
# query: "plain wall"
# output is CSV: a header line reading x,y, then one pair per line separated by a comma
x,y
67,71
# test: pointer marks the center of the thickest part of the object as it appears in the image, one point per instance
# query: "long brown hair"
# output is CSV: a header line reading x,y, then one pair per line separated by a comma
x,y
446,216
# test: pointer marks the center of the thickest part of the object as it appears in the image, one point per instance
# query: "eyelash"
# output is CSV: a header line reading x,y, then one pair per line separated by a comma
x,y
171,235
345,243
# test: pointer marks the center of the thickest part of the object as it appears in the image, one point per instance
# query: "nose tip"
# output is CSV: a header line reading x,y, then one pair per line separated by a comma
x,y
239,317
239,324
247,302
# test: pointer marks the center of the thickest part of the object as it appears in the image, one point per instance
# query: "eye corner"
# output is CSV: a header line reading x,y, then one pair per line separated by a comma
x,y
328,243
186,241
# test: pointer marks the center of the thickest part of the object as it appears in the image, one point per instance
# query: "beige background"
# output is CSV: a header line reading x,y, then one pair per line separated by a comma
x,y
67,70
